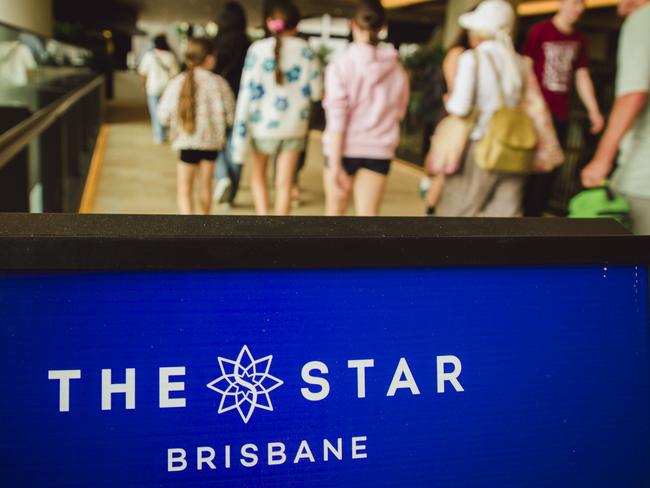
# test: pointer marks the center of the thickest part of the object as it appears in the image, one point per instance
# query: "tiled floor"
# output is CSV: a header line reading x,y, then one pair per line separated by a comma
x,y
138,177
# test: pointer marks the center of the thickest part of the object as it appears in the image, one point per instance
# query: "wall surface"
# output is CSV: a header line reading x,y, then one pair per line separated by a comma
x,y
34,15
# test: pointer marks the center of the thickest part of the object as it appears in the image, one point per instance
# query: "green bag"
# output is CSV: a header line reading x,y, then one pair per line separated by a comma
x,y
600,203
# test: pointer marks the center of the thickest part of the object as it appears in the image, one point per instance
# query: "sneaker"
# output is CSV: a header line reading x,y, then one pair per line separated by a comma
x,y
425,186
221,191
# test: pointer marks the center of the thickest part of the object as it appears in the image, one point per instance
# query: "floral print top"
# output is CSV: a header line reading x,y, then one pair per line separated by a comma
x,y
266,110
215,111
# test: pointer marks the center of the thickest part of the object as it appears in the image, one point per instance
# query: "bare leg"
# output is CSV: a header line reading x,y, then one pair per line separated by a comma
x,y
336,202
435,192
368,193
206,175
185,174
259,184
286,166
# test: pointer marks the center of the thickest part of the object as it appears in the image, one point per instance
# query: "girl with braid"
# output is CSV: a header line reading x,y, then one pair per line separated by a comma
x,y
281,79
199,106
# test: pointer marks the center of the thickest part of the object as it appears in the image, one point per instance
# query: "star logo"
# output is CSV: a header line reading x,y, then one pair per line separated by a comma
x,y
245,384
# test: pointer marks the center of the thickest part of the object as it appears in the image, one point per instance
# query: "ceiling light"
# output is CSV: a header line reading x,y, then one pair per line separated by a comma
x,y
551,6
402,3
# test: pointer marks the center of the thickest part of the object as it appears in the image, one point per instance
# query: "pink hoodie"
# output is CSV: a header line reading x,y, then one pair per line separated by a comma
x,y
366,97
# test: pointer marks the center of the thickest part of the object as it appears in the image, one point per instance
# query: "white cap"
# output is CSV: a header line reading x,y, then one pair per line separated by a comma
x,y
490,17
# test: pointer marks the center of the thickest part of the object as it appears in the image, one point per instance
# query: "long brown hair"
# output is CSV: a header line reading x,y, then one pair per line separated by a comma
x,y
287,16
197,52
371,17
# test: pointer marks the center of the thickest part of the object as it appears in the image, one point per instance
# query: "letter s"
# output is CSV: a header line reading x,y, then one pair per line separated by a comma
x,y
316,381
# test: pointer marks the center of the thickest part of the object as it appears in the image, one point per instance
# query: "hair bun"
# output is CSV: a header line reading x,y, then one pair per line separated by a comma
x,y
370,17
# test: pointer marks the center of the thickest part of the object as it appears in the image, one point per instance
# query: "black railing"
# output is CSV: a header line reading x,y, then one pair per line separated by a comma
x,y
45,155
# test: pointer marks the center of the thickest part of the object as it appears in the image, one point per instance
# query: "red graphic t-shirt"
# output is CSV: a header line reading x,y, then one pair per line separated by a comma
x,y
556,57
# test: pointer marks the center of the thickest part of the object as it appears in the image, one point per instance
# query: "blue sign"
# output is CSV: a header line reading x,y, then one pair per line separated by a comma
x,y
481,377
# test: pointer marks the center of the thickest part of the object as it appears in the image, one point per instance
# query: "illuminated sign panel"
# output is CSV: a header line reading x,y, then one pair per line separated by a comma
x,y
451,377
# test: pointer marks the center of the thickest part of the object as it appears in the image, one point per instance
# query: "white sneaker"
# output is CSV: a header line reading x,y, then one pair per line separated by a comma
x,y
425,186
221,190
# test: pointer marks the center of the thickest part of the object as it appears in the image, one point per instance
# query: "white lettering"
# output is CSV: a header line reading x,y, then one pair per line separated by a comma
x,y
249,456
228,457
452,376
316,381
166,387
359,449
64,378
109,389
328,447
360,365
304,452
202,459
407,383
277,453
176,460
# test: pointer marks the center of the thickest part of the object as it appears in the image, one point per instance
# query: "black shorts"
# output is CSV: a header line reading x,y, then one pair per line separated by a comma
x,y
353,165
191,156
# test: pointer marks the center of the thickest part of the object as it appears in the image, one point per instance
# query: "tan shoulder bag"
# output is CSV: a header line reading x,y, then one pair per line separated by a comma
x,y
510,141
450,138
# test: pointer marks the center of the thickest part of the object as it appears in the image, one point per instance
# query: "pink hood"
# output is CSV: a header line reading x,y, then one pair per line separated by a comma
x,y
366,97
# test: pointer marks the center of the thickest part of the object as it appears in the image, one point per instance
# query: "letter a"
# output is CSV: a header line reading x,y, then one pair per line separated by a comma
x,y
407,383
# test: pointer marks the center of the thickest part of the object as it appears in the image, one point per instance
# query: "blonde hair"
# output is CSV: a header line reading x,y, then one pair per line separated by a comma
x,y
197,52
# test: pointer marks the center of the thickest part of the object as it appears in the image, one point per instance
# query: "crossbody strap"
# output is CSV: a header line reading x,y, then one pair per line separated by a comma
x,y
160,62
477,61
502,95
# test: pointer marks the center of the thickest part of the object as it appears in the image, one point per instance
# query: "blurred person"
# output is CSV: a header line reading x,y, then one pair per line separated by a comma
x,y
199,107
281,79
560,60
232,44
449,70
474,192
35,45
158,67
629,122
367,94
17,64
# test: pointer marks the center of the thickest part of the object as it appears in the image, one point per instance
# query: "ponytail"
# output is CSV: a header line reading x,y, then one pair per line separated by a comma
x,y
284,17
371,17
187,103
197,51
279,76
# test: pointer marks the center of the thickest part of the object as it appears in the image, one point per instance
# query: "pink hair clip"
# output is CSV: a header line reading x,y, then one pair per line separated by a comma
x,y
276,25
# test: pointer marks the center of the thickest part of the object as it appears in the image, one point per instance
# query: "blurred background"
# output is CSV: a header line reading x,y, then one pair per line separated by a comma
x,y
67,70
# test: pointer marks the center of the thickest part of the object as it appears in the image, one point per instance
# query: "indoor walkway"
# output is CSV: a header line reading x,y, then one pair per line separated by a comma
x,y
137,177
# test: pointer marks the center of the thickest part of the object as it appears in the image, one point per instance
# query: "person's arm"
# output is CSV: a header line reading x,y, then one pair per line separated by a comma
x,y
316,81
461,99
625,112
228,98
241,129
174,68
168,104
450,66
587,93
336,107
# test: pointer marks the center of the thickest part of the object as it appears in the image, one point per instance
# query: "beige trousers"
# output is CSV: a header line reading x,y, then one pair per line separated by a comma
x,y
640,213
474,192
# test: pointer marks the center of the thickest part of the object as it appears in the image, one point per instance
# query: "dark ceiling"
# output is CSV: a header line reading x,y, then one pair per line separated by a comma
x,y
206,10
